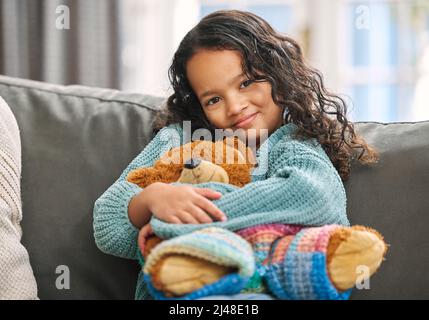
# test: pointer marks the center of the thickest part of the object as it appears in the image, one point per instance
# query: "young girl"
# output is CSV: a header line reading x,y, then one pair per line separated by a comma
x,y
233,71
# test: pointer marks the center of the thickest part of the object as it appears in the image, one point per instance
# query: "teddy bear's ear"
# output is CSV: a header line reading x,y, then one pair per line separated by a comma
x,y
177,155
235,142
238,144
236,148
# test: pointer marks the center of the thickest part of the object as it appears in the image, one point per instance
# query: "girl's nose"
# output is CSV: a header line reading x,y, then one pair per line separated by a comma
x,y
235,106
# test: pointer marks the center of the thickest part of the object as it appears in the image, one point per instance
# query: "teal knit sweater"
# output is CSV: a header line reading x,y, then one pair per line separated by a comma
x,y
294,183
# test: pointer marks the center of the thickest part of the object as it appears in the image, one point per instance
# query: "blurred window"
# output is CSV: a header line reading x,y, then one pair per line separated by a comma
x,y
278,13
384,44
374,53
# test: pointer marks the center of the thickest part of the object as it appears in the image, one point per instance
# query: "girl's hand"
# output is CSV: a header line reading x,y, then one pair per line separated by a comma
x,y
143,234
183,204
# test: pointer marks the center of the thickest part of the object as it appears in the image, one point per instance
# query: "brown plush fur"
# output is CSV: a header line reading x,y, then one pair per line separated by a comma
x,y
236,159
151,243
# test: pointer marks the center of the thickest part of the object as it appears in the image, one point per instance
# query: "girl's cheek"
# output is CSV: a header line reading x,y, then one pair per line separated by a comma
x,y
262,94
217,118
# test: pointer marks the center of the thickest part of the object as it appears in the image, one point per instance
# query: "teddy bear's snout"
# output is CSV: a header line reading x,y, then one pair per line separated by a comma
x,y
192,163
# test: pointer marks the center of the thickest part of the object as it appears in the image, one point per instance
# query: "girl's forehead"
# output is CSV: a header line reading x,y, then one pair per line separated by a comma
x,y
215,58
208,68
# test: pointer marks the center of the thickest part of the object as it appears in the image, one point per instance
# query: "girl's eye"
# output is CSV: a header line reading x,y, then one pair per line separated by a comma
x,y
246,83
212,101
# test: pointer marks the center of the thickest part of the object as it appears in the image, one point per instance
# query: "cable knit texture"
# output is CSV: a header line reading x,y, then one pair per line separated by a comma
x,y
16,275
294,183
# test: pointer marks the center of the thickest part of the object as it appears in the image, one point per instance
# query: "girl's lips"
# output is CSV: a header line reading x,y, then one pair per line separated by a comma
x,y
246,122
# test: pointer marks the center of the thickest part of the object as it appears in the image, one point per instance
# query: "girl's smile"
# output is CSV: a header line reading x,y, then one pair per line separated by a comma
x,y
246,121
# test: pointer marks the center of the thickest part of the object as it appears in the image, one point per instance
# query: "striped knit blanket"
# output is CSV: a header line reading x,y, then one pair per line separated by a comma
x,y
288,261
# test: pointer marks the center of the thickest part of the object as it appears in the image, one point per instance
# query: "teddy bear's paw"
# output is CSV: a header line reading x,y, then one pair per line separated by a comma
x,y
354,252
178,274
194,260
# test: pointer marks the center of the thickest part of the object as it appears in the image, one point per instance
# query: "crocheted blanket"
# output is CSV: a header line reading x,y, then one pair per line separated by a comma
x,y
288,261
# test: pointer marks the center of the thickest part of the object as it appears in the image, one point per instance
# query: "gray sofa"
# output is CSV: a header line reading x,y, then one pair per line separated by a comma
x,y
77,140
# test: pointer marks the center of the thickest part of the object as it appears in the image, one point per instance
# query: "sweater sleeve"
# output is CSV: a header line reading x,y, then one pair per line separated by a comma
x,y
113,231
302,187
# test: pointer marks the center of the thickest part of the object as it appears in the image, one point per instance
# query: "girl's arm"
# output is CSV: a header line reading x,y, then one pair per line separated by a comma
x,y
113,231
302,187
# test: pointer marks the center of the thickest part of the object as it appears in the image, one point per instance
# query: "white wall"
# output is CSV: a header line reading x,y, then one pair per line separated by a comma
x,y
152,30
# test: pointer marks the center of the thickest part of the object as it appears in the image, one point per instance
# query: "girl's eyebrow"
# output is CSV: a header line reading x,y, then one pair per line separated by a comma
x,y
209,92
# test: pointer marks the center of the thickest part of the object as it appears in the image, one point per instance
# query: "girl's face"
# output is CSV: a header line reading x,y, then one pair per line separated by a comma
x,y
228,98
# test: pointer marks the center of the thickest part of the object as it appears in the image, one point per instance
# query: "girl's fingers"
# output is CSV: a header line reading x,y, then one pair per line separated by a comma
x,y
144,232
175,220
185,217
208,193
200,215
210,208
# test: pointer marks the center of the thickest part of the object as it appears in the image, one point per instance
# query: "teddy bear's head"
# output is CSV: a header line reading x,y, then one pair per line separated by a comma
x,y
227,160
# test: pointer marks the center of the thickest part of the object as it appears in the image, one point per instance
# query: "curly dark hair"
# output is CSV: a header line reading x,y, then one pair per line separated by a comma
x,y
274,57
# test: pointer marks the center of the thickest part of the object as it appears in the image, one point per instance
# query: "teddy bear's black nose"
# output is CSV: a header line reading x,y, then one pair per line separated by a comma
x,y
192,163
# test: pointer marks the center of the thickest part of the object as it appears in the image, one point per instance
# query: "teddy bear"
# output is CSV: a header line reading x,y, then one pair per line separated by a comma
x,y
173,272
228,160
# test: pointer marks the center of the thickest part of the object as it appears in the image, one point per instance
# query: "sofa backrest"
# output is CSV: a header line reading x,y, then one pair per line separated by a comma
x,y
393,197
77,140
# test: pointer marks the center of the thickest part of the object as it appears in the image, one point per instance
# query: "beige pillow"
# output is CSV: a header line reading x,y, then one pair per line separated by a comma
x,y
16,275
